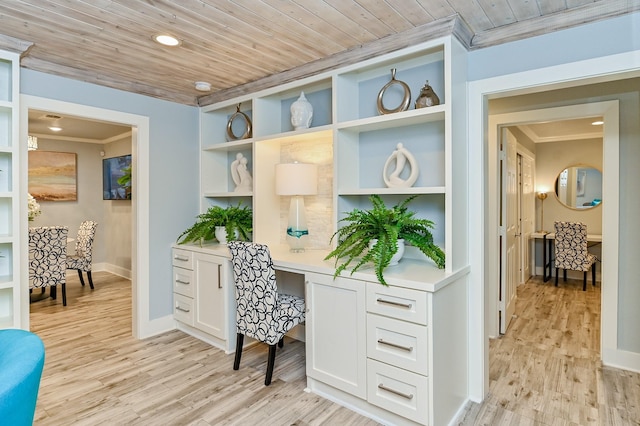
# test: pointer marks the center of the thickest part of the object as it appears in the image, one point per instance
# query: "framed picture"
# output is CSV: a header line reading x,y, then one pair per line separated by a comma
x,y
53,176
116,178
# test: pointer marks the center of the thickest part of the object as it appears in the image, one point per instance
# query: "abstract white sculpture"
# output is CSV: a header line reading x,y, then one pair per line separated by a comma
x,y
240,174
400,156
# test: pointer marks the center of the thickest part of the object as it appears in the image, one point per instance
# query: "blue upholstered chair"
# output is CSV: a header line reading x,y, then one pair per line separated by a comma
x,y
81,260
21,363
571,251
261,312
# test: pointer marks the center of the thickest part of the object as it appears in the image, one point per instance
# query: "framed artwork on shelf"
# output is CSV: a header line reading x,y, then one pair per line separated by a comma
x,y
53,175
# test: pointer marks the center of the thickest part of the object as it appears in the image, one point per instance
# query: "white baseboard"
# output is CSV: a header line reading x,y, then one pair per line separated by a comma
x,y
624,360
157,326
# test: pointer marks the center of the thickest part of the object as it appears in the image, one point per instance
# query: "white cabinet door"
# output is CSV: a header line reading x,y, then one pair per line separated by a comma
x,y
210,309
336,332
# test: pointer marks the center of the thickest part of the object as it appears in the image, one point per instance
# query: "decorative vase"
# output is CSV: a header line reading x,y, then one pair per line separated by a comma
x,y
301,113
396,257
427,97
406,100
221,234
248,126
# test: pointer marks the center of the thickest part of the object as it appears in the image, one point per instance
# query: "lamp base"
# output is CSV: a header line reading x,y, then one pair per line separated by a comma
x,y
297,231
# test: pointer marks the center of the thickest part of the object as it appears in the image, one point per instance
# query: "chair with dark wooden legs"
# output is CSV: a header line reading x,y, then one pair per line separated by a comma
x,y
571,251
262,313
47,259
81,261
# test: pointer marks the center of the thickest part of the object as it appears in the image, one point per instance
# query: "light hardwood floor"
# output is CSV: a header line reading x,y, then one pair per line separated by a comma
x,y
544,371
97,374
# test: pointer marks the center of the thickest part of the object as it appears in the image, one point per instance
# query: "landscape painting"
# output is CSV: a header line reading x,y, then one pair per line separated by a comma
x,y
53,176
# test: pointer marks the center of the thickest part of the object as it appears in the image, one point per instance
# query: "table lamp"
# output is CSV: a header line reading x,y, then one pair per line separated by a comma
x,y
541,196
297,179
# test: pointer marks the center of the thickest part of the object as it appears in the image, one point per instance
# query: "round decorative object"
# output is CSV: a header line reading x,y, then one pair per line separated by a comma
x,y
301,113
404,105
400,156
427,97
247,125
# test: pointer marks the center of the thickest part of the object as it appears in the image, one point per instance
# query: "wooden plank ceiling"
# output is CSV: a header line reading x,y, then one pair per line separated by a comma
x,y
246,45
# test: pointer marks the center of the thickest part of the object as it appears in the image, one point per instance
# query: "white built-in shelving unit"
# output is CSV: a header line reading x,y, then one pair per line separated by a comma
x,y
10,289
358,139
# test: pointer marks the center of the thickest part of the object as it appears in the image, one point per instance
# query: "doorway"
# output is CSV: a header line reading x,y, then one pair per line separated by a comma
x,y
139,204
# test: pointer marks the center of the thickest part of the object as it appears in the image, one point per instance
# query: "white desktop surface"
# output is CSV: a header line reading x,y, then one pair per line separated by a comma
x,y
409,273
552,236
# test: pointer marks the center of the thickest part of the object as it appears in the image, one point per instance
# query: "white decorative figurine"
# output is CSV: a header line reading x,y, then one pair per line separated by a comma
x,y
394,180
240,175
301,113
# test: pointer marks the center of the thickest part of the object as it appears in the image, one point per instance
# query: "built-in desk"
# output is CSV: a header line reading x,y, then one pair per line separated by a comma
x,y
547,248
396,353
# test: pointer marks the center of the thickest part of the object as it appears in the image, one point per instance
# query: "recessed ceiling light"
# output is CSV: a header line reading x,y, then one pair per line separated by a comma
x,y
55,128
203,86
597,123
166,40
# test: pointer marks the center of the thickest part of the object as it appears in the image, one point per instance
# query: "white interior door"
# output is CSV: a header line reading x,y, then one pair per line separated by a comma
x,y
509,229
527,197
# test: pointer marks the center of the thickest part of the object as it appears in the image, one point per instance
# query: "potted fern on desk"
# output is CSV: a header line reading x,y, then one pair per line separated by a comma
x,y
376,235
222,223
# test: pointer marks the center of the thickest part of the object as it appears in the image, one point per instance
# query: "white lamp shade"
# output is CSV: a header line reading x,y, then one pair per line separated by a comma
x,y
296,179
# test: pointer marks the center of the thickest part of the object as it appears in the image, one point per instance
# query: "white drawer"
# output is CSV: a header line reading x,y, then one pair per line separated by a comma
x,y
183,282
398,343
401,303
182,258
398,391
183,309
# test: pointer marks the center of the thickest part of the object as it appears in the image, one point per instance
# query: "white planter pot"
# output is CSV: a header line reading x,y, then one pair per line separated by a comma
x,y
221,234
396,257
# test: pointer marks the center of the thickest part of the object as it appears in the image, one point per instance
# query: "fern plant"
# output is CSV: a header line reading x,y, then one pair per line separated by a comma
x,y
234,218
387,226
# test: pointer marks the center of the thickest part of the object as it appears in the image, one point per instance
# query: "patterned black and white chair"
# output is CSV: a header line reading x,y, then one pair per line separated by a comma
x,y
261,312
47,258
81,261
571,251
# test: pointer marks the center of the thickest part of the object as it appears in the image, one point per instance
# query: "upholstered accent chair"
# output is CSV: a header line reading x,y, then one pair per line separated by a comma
x,y
81,261
571,251
262,313
21,363
47,259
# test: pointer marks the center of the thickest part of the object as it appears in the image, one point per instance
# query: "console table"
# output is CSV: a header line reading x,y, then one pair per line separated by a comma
x,y
547,248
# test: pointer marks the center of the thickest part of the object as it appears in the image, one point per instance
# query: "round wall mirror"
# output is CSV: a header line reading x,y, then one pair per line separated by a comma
x,y
579,187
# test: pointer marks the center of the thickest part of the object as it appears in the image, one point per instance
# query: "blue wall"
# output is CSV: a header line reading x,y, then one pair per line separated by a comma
x,y
603,38
173,170
613,36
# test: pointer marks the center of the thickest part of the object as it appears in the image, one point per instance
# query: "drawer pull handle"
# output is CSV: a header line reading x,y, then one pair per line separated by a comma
x,y
391,302
180,258
395,345
219,276
181,309
179,281
395,392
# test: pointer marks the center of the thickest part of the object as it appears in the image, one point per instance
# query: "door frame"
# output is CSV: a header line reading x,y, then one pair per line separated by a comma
x,y
482,193
139,206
